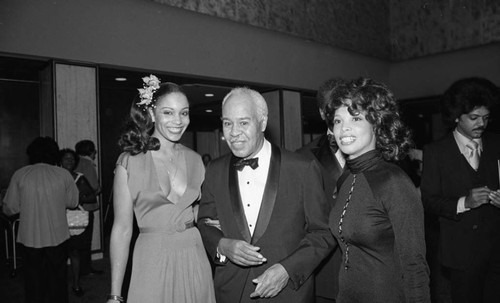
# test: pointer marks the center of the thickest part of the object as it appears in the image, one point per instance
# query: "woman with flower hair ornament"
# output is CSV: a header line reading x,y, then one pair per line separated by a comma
x,y
157,179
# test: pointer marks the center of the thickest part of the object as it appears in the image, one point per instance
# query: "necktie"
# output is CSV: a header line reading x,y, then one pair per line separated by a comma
x,y
253,163
474,154
333,144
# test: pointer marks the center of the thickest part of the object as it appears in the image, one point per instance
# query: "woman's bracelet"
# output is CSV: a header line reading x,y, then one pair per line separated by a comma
x,y
116,298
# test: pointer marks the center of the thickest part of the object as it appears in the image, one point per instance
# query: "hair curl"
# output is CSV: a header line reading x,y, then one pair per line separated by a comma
x,y
464,95
136,137
379,106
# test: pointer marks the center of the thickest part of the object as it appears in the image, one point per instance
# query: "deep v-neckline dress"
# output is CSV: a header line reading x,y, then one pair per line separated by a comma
x,y
169,262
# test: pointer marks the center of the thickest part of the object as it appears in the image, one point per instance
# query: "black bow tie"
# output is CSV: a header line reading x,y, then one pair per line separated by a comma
x,y
333,144
253,163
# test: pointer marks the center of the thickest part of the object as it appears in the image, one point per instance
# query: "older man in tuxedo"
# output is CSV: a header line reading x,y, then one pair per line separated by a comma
x,y
325,150
271,208
460,184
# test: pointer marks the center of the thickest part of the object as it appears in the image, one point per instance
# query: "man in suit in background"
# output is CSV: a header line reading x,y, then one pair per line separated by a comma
x,y
460,184
325,150
272,212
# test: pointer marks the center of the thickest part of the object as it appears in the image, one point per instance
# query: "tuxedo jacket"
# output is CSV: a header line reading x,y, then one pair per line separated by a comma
x,y
327,271
291,229
446,177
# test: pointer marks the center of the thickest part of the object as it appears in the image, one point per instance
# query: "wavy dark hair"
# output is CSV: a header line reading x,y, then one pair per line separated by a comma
x,y
377,103
464,95
136,137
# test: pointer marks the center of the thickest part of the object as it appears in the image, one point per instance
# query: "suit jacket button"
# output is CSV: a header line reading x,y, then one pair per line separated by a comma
x,y
474,226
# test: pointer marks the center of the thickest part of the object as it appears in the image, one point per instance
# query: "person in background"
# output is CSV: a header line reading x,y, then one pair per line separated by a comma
x,y
206,158
460,185
40,193
378,219
77,243
326,151
158,179
263,212
86,151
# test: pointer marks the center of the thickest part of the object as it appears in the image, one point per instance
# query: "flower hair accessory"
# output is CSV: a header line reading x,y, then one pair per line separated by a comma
x,y
150,85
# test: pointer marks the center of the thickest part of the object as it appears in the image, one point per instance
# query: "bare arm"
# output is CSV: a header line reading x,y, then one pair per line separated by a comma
x,y
121,232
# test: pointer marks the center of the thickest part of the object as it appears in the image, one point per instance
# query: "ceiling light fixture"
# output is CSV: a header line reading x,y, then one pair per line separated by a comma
x,y
120,79
208,110
209,95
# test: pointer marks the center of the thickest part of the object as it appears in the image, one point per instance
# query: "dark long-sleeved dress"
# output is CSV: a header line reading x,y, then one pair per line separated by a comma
x,y
379,224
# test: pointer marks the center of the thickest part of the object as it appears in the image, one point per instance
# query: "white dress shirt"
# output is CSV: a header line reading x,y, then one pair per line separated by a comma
x,y
466,152
252,182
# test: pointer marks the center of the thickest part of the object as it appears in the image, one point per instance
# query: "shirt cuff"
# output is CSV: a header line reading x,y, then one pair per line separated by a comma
x,y
221,257
461,206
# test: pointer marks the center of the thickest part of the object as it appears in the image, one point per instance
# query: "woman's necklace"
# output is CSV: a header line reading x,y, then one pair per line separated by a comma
x,y
342,239
171,164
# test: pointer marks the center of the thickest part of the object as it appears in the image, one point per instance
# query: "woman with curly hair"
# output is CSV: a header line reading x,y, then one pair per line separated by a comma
x,y
378,218
157,179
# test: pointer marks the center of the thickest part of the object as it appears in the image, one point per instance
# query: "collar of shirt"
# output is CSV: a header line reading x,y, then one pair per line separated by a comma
x,y
462,143
264,156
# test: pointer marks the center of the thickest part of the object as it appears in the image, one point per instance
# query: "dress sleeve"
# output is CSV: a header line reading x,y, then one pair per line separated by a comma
x,y
405,211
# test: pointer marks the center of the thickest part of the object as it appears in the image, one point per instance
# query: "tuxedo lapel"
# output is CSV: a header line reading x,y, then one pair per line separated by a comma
x,y
328,159
324,155
234,195
488,154
269,197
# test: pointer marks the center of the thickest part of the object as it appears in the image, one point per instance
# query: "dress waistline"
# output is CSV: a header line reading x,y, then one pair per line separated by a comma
x,y
170,229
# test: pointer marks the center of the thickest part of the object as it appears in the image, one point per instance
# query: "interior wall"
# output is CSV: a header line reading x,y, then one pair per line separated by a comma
x,y
19,125
157,37
421,28
76,115
432,75
325,21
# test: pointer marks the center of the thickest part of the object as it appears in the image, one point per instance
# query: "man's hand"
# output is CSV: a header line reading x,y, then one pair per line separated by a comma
x,y
494,197
271,282
477,197
241,252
